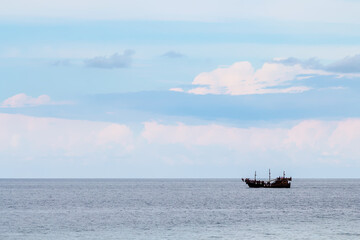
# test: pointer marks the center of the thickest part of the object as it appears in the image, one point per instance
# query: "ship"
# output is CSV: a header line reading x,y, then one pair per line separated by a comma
x,y
279,182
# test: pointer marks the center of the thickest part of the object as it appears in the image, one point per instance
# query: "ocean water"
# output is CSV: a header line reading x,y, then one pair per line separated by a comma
x,y
178,209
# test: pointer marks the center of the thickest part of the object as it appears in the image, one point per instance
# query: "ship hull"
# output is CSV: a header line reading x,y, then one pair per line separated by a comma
x,y
262,184
255,185
280,186
252,185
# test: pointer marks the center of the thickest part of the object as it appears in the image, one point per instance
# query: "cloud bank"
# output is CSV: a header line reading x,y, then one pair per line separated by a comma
x,y
306,143
32,137
114,61
334,142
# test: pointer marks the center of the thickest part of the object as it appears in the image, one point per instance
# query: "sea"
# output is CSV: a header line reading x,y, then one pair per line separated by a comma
x,y
36,209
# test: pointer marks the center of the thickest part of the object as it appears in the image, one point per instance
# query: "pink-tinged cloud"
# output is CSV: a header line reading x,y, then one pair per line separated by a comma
x,y
36,137
214,134
336,141
115,134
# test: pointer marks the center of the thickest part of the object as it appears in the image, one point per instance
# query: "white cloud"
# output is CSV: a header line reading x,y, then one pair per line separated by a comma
x,y
241,79
281,75
45,137
176,89
317,140
23,100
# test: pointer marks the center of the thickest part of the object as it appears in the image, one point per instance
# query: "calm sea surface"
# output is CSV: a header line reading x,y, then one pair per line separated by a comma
x,y
178,209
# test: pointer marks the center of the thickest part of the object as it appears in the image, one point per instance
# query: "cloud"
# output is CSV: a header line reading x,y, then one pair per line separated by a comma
x,y
114,61
281,75
306,143
350,64
347,65
312,63
242,79
23,100
212,135
173,54
176,89
26,136
114,134
331,141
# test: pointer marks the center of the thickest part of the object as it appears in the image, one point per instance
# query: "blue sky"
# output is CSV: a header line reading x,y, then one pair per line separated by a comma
x,y
179,89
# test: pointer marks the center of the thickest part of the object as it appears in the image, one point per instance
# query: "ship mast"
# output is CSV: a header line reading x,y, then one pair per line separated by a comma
x,y
269,175
255,175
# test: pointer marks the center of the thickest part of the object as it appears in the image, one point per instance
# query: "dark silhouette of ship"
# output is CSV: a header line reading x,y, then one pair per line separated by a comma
x,y
279,182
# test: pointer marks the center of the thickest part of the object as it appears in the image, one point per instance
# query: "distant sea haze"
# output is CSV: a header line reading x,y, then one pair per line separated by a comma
x,y
112,209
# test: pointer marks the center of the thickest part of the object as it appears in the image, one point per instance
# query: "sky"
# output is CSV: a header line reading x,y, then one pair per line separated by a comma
x,y
179,89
